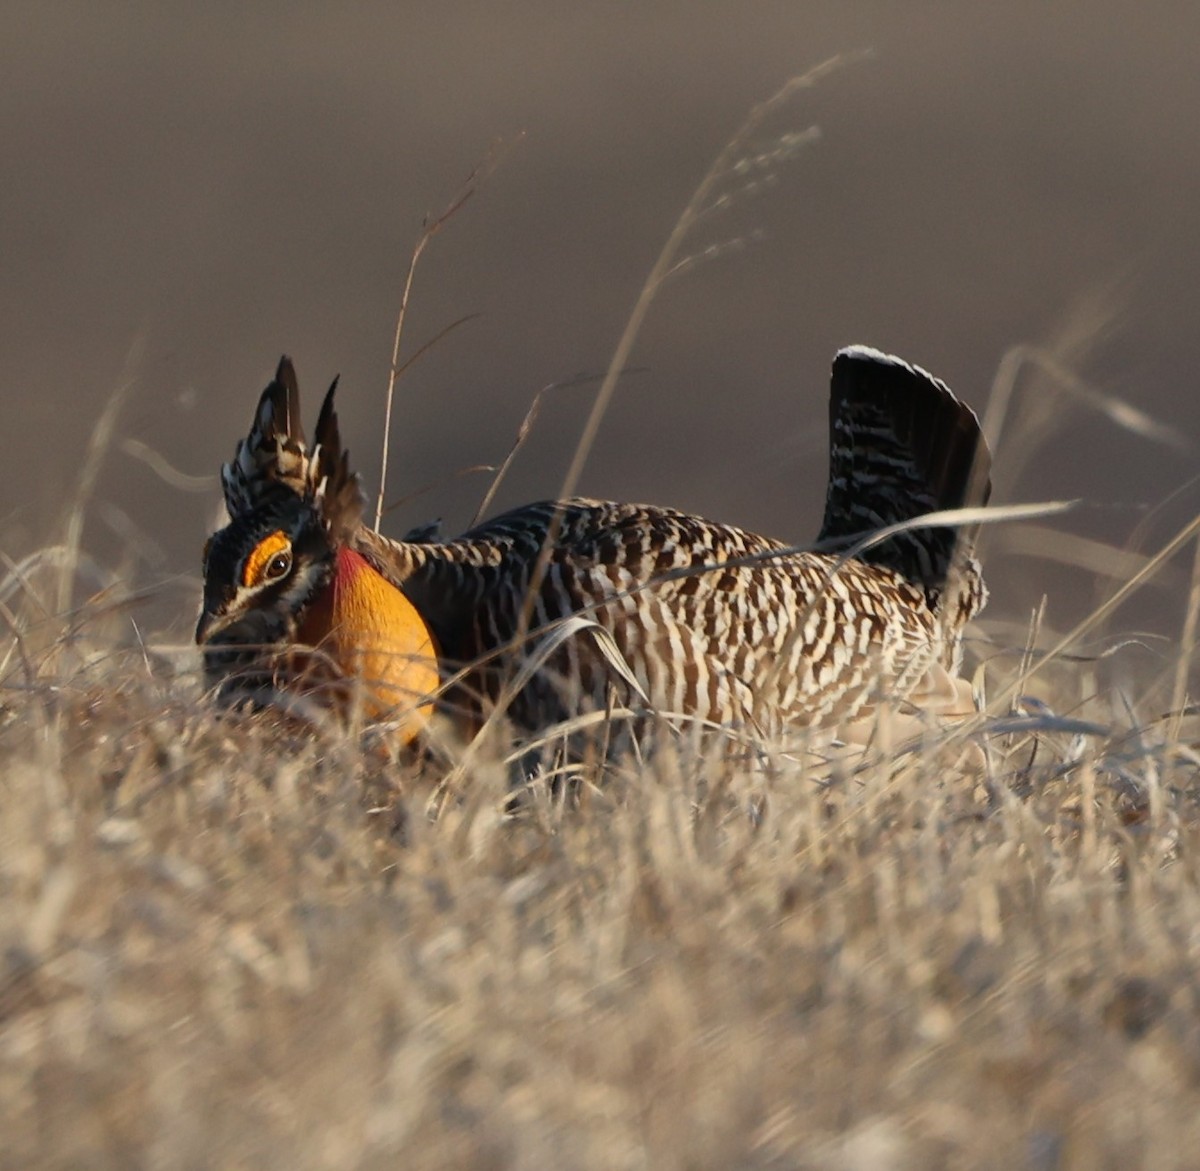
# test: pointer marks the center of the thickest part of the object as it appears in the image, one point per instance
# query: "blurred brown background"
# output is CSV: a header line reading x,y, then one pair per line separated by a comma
x,y
230,182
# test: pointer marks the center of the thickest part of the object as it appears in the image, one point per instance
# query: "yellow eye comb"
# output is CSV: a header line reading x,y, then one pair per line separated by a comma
x,y
261,555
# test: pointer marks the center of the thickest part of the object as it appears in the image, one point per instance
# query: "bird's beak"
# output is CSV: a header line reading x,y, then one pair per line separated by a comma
x,y
204,627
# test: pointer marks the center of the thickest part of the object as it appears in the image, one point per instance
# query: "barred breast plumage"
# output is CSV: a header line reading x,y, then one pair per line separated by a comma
x,y
713,622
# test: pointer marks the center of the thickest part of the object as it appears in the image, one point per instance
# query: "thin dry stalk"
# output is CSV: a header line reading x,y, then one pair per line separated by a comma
x,y
1102,611
429,229
17,647
20,573
433,341
523,433
1029,647
440,482
165,470
1063,380
1098,558
697,206
97,447
1141,531
1187,646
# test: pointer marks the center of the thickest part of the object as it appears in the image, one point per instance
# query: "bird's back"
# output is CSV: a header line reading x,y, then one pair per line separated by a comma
x,y
713,622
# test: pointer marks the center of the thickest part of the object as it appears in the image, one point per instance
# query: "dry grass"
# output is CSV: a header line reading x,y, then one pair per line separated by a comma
x,y
228,944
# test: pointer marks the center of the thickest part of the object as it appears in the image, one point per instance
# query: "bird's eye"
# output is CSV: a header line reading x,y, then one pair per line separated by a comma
x,y
269,560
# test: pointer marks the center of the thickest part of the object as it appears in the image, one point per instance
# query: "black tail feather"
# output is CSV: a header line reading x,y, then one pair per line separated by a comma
x,y
901,445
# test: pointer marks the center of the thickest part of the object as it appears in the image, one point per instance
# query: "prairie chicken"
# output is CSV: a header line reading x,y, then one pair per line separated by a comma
x,y
711,621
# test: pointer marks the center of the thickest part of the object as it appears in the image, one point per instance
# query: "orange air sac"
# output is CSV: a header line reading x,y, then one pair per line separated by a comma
x,y
373,633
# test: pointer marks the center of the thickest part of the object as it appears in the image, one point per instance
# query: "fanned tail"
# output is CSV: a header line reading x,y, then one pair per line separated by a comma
x,y
901,445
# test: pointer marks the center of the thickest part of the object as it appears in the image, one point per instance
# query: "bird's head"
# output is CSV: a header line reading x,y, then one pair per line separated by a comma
x,y
291,508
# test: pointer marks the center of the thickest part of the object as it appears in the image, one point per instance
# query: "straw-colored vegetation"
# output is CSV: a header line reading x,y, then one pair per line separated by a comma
x,y
231,942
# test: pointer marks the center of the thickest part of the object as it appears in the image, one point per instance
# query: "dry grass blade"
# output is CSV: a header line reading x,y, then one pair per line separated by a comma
x,y
165,470
523,433
424,349
1187,642
62,558
429,229
17,647
696,207
567,629
584,722
1143,529
961,517
441,481
545,642
1096,557
1019,448
1046,722
1127,590
97,447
